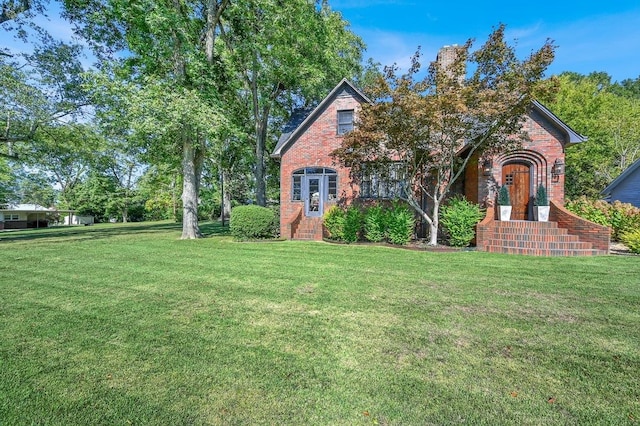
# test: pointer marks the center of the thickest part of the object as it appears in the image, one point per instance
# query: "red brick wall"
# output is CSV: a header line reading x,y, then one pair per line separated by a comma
x,y
540,152
313,149
547,140
599,236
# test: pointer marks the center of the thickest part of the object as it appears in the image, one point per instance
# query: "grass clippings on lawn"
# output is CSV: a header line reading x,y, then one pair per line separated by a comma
x,y
129,325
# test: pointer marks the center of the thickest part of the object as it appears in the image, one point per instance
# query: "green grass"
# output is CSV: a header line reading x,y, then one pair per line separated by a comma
x,y
115,324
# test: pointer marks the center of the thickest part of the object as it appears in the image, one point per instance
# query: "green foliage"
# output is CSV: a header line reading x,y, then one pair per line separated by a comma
x,y
621,217
606,113
632,240
433,109
459,217
401,224
353,222
252,222
541,198
375,224
504,198
333,221
97,196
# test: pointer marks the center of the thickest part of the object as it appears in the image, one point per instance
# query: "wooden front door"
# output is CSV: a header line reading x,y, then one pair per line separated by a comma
x,y
517,176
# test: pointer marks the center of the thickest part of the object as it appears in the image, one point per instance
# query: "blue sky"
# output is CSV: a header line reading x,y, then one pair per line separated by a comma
x,y
589,35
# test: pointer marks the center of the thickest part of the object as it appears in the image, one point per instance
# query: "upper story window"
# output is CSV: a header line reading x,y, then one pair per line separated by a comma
x,y
345,121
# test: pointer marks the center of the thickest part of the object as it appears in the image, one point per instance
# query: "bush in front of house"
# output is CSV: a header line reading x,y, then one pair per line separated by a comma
x,y
375,224
459,218
401,223
353,223
252,222
631,239
621,217
333,221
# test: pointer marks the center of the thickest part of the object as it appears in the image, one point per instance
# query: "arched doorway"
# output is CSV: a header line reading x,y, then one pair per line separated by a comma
x,y
517,176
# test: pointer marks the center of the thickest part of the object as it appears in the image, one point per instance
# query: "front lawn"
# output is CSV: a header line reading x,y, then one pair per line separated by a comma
x,y
126,324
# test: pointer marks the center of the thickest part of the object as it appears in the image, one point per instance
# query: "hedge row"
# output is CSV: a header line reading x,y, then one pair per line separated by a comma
x,y
376,223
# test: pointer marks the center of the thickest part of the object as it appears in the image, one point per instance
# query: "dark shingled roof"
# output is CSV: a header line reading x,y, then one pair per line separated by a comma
x,y
297,118
301,118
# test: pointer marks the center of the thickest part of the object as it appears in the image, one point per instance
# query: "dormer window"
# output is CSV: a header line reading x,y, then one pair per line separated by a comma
x,y
345,121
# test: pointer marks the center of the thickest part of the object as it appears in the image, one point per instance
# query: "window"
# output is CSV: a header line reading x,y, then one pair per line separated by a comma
x,y
11,217
296,194
332,192
299,182
345,121
386,182
509,179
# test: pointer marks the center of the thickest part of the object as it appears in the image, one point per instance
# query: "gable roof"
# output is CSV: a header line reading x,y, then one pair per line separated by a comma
x,y
301,119
26,208
571,136
623,176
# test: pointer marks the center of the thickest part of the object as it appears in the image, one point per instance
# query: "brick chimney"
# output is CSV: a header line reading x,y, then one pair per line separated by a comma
x,y
446,57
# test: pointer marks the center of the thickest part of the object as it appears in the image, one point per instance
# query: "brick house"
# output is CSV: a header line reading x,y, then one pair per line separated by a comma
x,y
311,181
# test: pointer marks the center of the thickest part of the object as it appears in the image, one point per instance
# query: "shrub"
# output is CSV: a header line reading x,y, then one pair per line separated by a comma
x,y
459,217
251,222
504,198
334,223
632,240
375,224
400,225
589,209
353,223
541,198
621,217
624,218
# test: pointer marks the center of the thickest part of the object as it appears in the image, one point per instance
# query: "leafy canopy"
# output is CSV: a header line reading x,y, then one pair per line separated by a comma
x,y
434,125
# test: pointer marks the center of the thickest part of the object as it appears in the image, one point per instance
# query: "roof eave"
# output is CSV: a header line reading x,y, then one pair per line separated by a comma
x,y
278,153
571,136
628,171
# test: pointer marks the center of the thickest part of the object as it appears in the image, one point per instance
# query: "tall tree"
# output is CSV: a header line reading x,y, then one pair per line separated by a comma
x,y
286,53
609,114
436,124
64,155
43,88
174,67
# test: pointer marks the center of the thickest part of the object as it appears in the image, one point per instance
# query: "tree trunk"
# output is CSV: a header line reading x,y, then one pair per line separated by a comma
x,y
261,187
225,207
190,228
174,198
433,225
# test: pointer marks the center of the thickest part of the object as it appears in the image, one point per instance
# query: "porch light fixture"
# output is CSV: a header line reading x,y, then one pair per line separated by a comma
x,y
558,169
487,166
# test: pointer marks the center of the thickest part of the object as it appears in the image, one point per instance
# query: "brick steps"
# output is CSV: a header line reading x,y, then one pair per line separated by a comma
x,y
543,252
309,228
536,239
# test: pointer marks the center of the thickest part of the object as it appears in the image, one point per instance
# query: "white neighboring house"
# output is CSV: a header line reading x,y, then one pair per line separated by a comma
x,y
20,216
79,220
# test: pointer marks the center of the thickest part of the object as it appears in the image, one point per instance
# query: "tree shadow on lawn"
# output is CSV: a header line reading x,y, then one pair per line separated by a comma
x,y
100,231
